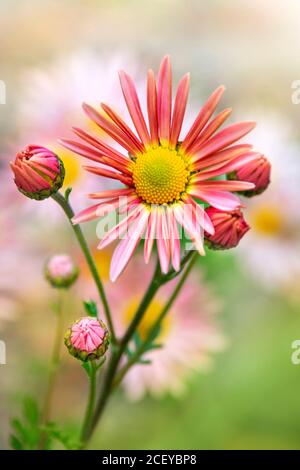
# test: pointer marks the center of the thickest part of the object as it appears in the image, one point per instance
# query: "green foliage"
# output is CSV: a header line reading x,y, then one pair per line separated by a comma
x,y
91,308
26,430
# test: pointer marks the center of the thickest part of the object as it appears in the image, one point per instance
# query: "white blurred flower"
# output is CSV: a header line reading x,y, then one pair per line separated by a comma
x,y
271,249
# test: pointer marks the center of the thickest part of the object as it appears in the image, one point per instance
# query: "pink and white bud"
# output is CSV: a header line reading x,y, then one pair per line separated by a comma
x,y
38,172
61,271
257,171
230,227
87,339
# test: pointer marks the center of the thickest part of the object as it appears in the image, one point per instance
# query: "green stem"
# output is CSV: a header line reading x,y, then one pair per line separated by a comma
x,y
91,402
55,360
64,204
117,353
139,352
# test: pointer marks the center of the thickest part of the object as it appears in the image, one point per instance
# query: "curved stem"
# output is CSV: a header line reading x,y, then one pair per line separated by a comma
x,y
55,360
91,402
138,353
64,204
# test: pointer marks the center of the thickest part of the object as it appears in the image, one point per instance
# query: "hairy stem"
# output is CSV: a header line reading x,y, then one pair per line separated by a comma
x,y
64,204
91,402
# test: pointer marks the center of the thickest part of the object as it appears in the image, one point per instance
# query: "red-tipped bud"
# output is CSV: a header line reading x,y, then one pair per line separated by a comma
x,y
38,172
257,171
87,339
61,271
230,227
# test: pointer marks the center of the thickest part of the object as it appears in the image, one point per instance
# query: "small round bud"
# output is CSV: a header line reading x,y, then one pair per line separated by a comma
x,y
38,172
87,339
61,271
258,172
230,227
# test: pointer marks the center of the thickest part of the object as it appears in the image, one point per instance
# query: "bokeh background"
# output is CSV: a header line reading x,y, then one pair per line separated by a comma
x,y
55,54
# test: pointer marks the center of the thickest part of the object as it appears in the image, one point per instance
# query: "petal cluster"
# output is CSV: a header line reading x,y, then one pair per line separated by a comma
x,y
87,339
156,204
230,227
38,172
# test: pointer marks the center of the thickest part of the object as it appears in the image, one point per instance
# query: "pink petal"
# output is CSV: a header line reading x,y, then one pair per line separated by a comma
x,y
126,247
112,130
164,100
134,107
150,235
211,128
174,241
179,109
221,200
224,138
152,107
162,240
194,231
204,115
120,123
226,185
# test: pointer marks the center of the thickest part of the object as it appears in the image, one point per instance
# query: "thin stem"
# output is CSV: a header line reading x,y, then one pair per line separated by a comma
x,y
91,402
117,353
64,204
138,353
55,360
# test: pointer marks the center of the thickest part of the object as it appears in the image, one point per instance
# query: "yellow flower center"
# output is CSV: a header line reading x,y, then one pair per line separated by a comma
x,y
149,318
160,175
72,166
267,220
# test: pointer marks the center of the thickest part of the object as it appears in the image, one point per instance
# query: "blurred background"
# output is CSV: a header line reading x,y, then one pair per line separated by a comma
x,y
239,390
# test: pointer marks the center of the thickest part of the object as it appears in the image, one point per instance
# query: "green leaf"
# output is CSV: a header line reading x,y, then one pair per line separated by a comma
x,y
31,411
91,308
15,442
63,437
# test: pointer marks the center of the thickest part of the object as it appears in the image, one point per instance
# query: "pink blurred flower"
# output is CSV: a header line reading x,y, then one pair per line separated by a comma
x,y
162,174
189,334
38,172
230,227
61,271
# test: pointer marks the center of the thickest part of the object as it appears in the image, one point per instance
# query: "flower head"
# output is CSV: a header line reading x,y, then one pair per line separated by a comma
x,y
38,172
163,173
61,271
230,227
257,171
87,339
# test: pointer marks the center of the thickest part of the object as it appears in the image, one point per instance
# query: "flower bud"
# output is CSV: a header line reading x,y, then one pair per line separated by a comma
x,y
257,171
38,172
61,271
230,227
87,339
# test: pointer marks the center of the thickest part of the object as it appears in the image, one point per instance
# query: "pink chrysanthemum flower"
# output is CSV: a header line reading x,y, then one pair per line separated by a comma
x,y
87,339
230,227
162,173
38,172
61,271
